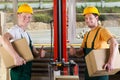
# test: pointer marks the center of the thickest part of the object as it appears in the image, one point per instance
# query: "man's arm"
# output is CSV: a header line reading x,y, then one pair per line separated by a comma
x,y
5,41
76,52
39,53
113,51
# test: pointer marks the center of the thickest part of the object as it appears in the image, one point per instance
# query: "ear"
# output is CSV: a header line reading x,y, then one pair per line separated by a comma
x,y
97,17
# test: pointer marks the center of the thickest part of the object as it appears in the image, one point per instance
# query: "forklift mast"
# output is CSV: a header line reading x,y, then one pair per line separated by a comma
x,y
60,22
60,40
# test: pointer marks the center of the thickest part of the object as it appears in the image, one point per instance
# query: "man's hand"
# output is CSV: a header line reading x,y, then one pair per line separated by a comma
x,y
39,52
108,67
42,52
19,60
72,51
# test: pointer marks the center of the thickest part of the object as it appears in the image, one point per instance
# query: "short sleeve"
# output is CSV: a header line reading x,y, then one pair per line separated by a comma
x,y
105,34
12,32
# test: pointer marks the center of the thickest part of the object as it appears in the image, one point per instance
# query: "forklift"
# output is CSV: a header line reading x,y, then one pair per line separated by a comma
x,y
60,66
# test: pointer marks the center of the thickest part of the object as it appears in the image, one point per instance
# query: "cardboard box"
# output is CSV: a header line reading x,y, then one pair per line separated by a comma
x,y
4,72
97,58
22,47
66,77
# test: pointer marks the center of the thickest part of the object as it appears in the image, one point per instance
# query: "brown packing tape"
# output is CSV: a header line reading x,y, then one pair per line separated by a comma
x,y
95,61
23,50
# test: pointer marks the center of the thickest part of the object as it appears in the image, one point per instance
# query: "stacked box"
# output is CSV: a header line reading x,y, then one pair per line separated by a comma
x,y
21,46
4,72
97,58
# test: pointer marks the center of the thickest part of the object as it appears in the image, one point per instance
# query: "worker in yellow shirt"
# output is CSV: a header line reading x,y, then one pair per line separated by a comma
x,y
98,37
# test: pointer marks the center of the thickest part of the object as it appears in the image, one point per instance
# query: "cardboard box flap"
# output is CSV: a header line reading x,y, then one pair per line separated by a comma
x,y
22,47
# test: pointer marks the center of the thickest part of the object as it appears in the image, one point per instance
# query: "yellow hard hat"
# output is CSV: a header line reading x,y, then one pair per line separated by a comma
x,y
25,8
91,9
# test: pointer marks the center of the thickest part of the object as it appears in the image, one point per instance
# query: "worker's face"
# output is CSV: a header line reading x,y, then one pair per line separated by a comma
x,y
24,19
91,20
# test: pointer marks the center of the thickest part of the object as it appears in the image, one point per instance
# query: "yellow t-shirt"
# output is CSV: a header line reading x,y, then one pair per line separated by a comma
x,y
101,39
